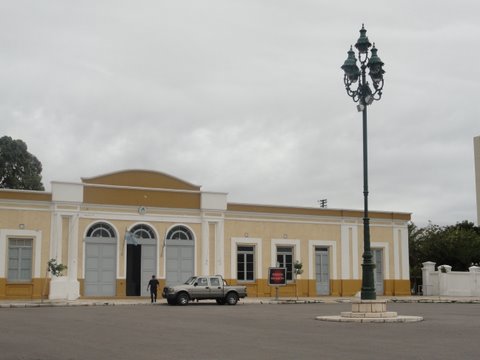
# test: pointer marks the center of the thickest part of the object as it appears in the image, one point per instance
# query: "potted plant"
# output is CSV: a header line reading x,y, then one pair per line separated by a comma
x,y
56,269
58,283
297,269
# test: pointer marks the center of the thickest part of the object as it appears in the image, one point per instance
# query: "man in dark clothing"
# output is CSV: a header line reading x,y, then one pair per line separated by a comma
x,y
153,285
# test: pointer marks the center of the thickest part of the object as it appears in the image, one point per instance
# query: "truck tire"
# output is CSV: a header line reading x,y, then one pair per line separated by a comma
x,y
231,298
182,299
221,301
170,301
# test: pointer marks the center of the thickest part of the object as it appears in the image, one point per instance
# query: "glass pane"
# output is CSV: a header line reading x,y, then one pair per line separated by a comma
x,y
13,253
179,233
289,274
245,248
282,249
25,275
12,274
25,263
13,264
280,260
250,275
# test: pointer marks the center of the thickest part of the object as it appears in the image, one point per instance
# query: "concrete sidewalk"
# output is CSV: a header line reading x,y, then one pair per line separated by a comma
x,y
248,300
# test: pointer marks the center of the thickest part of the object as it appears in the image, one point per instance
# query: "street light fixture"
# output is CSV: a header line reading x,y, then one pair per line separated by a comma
x,y
364,95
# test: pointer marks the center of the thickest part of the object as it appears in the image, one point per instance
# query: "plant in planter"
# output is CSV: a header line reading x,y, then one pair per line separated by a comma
x,y
297,269
56,269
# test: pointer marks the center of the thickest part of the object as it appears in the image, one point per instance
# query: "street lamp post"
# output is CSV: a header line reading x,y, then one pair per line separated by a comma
x,y
364,95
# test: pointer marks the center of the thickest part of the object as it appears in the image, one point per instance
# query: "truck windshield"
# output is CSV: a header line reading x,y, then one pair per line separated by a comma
x,y
190,280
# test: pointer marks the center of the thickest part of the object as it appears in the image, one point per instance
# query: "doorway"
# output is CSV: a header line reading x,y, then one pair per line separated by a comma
x,y
378,273
141,261
322,274
100,260
180,255
134,261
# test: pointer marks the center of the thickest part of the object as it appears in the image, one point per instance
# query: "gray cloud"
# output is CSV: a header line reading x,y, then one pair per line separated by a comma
x,y
247,97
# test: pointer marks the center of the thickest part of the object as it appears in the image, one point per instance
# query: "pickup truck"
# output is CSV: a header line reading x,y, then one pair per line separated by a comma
x,y
203,288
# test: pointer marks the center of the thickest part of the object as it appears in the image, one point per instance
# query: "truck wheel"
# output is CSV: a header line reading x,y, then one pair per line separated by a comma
x,y
170,302
221,301
182,299
231,298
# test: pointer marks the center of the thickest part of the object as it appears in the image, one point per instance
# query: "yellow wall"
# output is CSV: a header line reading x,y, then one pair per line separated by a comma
x,y
20,219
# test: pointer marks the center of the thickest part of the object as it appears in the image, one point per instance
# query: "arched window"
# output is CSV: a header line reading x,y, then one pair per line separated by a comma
x,y
180,233
101,230
143,231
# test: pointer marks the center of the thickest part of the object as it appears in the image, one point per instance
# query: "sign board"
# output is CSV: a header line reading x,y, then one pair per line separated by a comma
x,y
277,276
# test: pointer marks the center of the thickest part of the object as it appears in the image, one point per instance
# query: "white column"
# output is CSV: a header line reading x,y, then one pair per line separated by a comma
x,y
355,256
203,268
56,238
474,280
427,269
443,271
396,253
73,284
345,248
405,271
219,249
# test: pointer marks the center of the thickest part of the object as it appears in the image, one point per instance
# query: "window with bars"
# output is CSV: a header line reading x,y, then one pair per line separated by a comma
x,y
245,263
20,253
180,233
101,230
285,259
143,231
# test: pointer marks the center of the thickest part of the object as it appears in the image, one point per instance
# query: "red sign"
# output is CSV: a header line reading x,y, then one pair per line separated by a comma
x,y
277,276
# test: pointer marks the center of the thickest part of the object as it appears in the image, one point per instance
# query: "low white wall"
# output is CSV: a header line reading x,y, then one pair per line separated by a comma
x,y
448,282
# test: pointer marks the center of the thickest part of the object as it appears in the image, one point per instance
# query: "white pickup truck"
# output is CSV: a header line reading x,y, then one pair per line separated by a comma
x,y
212,287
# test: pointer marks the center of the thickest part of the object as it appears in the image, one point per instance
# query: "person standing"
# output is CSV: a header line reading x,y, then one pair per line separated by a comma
x,y
153,285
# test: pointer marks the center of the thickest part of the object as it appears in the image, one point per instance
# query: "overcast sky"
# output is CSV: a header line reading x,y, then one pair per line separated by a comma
x,y
247,97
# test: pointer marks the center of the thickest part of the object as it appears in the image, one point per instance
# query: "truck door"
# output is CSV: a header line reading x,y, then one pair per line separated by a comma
x,y
216,287
200,290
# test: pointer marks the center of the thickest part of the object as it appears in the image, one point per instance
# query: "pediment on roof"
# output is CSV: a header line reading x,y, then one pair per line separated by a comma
x,y
141,178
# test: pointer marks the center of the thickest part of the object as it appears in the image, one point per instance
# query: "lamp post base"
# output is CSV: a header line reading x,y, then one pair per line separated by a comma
x,y
368,280
367,311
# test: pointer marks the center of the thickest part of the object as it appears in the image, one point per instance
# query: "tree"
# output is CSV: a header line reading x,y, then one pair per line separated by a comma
x,y
455,245
18,168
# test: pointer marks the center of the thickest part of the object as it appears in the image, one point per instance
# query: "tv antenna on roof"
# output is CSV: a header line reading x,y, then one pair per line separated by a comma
x,y
322,203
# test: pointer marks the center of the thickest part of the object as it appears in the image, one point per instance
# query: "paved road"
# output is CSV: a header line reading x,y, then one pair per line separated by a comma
x,y
245,331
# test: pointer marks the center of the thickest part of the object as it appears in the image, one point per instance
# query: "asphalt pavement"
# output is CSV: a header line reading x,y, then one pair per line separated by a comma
x,y
15,303
254,329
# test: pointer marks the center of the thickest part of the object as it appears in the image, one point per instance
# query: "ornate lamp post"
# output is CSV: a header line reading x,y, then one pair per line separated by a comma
x,y
364,95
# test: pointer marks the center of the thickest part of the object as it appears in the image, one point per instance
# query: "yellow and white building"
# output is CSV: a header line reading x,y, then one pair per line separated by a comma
x,y
115,231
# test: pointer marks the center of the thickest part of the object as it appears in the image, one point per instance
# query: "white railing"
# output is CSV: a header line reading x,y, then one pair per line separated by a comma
x,y
445,282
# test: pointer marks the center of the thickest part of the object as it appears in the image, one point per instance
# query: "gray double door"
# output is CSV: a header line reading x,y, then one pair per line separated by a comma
x,y
100,266
322,271
179,257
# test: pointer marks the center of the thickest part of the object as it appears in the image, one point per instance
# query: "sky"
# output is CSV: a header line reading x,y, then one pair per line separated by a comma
x,y
247,97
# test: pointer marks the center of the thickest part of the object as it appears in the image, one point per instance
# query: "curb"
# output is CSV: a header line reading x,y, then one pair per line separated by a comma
x,y
265,301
